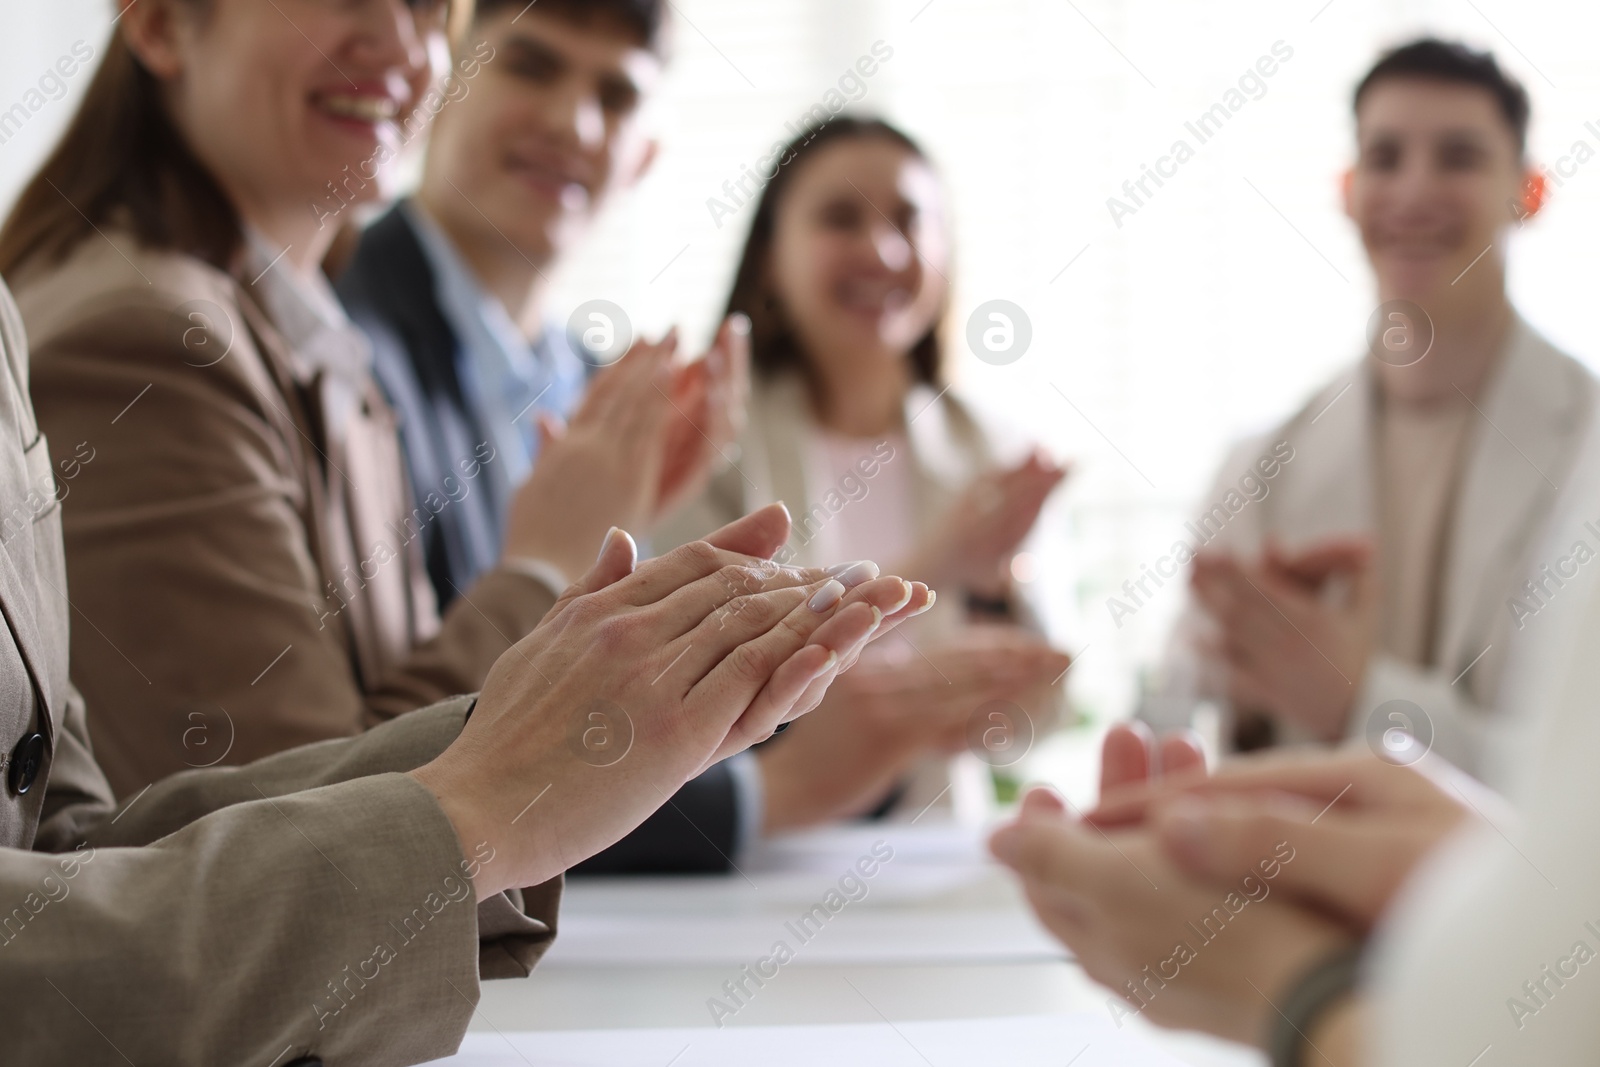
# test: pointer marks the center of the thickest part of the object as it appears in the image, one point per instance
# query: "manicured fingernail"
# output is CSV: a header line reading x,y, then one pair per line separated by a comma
x,y
904,598
739,323
932,596
853,574
826,597
827,665
605,542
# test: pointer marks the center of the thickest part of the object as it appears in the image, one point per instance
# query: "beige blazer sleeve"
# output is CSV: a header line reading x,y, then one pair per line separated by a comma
x,y
195,537
314,902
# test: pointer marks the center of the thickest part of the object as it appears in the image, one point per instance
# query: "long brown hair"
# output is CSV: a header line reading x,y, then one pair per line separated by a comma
x,y
123,161
774,346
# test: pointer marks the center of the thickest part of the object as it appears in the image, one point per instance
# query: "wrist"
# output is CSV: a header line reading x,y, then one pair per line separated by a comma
x,y
1319,1002
463,818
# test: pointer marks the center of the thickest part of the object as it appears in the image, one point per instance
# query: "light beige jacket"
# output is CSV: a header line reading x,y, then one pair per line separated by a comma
x,y
1525,439
311,903
242,547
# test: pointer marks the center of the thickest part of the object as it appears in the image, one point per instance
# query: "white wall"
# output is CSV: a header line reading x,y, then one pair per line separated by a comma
x,y
1204,314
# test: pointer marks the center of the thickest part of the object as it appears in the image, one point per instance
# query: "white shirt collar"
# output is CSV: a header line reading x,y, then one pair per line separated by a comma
x,y
305,311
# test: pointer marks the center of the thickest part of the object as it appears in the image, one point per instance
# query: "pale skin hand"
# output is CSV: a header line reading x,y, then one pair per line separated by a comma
x,y
702,652
1131,756
1098,893
1360,824
972,546
645,438
1285,650
892,711
709,398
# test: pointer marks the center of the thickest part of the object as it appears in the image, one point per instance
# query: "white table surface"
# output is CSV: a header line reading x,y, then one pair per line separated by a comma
x,y
570,993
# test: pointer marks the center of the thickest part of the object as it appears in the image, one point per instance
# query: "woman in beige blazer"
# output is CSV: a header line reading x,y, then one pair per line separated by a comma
x,y
853,425
242,544
342,902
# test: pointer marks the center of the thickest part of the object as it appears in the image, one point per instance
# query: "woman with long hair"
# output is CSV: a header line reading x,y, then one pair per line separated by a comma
x,y
852,423
242,546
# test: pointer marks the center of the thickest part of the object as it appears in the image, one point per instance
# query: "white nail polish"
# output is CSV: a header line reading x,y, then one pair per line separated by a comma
x,y
829,595
853,574
827,665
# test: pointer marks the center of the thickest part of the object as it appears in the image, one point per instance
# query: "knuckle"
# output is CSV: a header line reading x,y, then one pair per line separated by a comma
x,y
701,555
584,612
739,579
748,663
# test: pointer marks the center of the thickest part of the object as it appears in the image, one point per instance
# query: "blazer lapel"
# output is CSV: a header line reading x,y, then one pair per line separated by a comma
x,y
778,421
327,501
946,453
17,604
1530,420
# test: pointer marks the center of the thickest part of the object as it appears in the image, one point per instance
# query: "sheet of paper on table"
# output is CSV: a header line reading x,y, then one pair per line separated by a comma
x,y
938,898
1027,1041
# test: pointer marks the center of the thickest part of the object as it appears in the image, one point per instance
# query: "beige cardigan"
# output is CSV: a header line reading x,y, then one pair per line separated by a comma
x,y
243,562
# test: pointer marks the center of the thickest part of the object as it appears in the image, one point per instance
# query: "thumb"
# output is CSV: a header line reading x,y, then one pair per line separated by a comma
x,y
618,556
760,533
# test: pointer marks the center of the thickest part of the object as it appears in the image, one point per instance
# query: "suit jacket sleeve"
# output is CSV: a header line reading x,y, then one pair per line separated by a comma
x,y
191,560
314,902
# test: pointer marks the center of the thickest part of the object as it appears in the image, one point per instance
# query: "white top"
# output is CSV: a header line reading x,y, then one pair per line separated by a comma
x,y
1492,955
871,518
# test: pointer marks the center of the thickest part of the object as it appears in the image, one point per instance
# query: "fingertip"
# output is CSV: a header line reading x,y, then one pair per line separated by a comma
x,y
739,324
1005,845
1043,800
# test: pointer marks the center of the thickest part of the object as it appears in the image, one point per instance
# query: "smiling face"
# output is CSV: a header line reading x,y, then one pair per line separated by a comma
x,y
1436,182
859,252
548,129
278,99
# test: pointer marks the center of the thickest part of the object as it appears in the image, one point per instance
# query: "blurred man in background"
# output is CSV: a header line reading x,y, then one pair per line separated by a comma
x,y
1370,588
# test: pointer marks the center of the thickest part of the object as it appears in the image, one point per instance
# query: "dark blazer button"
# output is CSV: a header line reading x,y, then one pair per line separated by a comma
x,y
26,759
305,1061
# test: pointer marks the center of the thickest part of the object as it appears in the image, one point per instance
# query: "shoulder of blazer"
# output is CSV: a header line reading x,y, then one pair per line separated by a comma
x,y
115,275
114,303
389,287
1538,375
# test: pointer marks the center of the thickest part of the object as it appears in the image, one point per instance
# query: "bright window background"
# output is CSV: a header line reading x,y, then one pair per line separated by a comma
x,y
1219,305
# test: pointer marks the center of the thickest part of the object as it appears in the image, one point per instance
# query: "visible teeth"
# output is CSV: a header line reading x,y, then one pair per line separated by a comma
x,y
872,296
364,108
